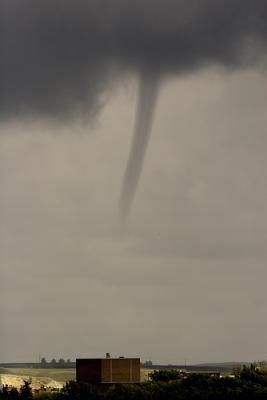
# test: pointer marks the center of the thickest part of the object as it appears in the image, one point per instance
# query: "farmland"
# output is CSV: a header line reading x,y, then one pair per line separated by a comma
x,y
52,377
49,377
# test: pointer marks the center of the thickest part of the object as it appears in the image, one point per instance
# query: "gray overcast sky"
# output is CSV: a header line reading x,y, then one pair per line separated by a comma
x,y
187,277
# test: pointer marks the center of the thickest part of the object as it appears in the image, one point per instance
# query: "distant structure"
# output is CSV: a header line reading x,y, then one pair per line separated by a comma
x,y
104,372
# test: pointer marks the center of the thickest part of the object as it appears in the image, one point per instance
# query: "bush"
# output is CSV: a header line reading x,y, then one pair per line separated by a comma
x,y
164,375
26,391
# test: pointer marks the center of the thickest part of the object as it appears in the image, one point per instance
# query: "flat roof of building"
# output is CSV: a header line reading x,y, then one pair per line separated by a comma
x,y
108,358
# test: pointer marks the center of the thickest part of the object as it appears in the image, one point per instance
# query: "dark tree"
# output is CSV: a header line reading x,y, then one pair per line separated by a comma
x,y
75,391
4,392
13,394
43,361
26,391
164,375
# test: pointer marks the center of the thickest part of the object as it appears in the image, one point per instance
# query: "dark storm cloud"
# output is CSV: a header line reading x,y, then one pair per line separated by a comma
x,y
57,57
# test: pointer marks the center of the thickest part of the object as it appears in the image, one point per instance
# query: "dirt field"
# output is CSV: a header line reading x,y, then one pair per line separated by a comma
x,y
53,377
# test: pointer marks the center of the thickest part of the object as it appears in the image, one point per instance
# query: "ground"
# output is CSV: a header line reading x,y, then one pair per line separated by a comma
x,y
48,377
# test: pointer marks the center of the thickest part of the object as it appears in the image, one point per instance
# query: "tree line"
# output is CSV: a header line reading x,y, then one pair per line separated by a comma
x,y
60,363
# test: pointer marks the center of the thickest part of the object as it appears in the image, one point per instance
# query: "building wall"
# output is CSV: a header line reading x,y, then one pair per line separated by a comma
x,y
88,370
120,370
108,370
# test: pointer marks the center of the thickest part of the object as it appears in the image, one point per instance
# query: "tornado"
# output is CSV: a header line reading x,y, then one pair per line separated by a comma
x,y
146,104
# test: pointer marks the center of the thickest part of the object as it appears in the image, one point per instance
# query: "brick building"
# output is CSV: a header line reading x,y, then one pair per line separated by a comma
x,y
104,372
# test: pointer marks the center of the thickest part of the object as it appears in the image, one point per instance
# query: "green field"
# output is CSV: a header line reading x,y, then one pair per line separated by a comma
x,y
57,374
53,377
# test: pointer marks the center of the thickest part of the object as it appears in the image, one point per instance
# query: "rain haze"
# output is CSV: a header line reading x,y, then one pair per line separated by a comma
x,y
133,179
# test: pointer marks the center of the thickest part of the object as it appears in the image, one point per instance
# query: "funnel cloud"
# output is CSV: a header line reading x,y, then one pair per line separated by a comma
x,y
59,57
191,265
147,97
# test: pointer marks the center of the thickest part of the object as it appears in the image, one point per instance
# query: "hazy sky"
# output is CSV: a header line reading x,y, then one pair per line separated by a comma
x,y
186,277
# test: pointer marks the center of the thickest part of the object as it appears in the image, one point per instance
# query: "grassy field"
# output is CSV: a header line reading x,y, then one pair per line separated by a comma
x,y
49,377
57,374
